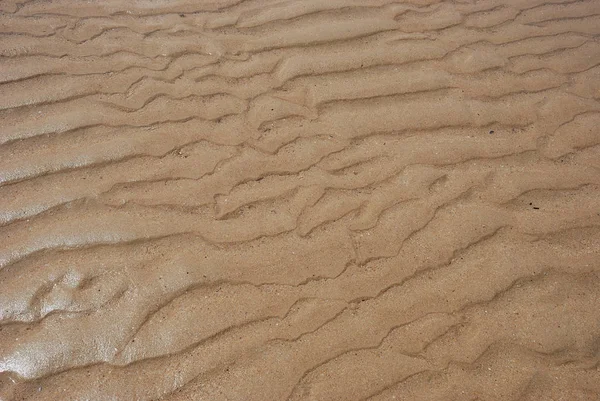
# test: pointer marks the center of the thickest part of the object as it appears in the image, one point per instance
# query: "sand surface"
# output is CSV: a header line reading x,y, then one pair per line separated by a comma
x,y
299,200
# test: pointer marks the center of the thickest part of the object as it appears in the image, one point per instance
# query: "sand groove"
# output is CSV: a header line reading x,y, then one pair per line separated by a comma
x,y
300,200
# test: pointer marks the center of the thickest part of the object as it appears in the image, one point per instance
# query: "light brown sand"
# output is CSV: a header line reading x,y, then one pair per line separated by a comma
x,y
300,200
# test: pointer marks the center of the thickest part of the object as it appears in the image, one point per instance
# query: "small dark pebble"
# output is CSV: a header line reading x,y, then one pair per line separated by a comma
x,y
536,208
492,131
182,15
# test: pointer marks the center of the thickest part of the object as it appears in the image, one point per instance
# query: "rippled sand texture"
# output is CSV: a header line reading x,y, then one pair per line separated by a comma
x,y
300,200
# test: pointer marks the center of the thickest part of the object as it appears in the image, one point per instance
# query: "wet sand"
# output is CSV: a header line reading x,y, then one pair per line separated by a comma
x,y
300,200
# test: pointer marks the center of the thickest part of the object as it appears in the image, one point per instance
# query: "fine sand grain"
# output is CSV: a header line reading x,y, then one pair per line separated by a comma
x,y
321,200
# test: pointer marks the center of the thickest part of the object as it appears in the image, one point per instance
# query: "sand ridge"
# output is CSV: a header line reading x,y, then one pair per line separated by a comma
x,y
300,200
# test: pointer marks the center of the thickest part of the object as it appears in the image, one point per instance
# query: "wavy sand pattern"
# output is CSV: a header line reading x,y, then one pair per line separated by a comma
x,y
300,200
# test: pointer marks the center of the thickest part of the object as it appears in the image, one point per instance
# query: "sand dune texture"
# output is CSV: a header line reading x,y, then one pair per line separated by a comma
x,y
300,200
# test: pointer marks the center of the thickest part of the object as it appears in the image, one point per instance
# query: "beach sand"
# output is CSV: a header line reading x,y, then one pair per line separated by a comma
x,y
300,200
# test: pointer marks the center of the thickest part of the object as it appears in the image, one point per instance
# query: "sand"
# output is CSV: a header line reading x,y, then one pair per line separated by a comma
x,y
300,200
